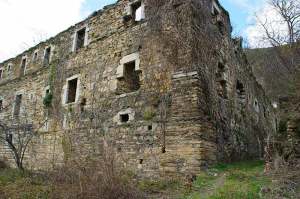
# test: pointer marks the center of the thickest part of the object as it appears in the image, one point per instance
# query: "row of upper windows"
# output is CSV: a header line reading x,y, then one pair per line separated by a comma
x,y
16,106
222,88
128,80
24,62
136,11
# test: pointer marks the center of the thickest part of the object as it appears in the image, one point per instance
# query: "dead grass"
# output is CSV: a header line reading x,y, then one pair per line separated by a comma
x,y
94,180
101,180
91,180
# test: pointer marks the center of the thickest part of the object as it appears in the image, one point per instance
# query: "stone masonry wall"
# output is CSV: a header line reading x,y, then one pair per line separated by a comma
x,y
176,121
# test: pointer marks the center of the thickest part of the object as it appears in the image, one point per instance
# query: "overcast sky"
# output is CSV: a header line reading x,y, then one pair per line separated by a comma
x,y
26,22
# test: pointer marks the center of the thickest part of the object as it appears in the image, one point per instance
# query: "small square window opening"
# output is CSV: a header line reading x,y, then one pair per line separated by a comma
x,y
124,118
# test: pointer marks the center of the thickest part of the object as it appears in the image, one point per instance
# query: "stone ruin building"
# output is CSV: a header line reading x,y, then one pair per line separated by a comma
x,y
161,83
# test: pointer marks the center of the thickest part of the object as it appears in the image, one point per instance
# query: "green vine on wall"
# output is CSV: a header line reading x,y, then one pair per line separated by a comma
x,y
149,114
47,101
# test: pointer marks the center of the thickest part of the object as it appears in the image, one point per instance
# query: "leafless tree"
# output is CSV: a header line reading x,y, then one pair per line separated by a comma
x,y
289,15
280,76
283,31
17,138
17,132
280,28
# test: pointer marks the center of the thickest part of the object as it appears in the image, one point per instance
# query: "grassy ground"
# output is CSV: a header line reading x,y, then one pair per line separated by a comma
x,y
22,185
244,180
235,181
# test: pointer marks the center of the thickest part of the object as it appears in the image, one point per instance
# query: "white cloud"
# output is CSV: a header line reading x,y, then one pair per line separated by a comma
x,y
26,22
255,33
258,11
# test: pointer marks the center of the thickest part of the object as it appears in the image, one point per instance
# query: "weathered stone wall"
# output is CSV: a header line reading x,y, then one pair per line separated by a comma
x,y
241,114
175,122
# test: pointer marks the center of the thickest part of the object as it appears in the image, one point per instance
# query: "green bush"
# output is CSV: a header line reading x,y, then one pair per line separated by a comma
x,y
149,114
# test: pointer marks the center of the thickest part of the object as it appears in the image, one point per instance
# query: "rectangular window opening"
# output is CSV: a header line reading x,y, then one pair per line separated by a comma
x,y
130,80
47,56
35,55
215,11
141,161
9,68
1,105
221,27
131,77
47,91
138,12
9,138
17,107
221,81
80,38
72,90
241,93
124,118
23,66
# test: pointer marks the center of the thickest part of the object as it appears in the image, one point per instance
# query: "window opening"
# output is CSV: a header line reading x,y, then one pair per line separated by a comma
x,y
256,105
124,118
138,12
72,90
35,56
141,161
80,38
241,94
9,138
221,81
23,66
9,68
47,56
130,82
17,107
215,10
1,105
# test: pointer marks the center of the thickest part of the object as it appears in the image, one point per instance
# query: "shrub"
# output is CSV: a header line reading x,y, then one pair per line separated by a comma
x,y
94,179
